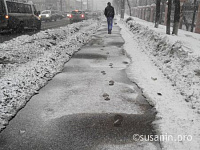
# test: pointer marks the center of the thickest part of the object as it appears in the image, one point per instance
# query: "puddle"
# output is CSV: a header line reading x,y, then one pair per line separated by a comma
x,y
89,56
118,44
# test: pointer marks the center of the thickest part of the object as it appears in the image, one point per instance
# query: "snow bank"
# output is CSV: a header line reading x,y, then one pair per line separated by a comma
x,y
30,61
167,71
173,56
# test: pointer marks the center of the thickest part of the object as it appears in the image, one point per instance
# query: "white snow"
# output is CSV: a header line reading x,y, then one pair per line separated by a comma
x,y
163,66
166,67
33,60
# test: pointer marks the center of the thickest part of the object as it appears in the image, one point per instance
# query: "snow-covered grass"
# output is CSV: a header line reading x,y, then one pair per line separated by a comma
x,y
167,68
30,61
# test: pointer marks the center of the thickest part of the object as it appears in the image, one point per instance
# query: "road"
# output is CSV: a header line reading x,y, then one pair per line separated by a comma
x,y
55,24
72,112
6,36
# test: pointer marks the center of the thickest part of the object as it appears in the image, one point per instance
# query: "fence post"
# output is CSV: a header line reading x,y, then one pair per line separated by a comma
x,y
143,12
139,12
136,11
146,13
197,28
152,12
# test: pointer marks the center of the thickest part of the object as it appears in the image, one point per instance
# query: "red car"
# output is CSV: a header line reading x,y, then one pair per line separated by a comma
x,y
76,16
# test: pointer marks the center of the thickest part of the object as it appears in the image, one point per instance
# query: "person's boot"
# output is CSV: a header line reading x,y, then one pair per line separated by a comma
x,y
109,31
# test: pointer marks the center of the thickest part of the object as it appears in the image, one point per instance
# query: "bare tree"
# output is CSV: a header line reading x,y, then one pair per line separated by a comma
x,y
176,17
169,16
193,18
162,10
129,5
157,13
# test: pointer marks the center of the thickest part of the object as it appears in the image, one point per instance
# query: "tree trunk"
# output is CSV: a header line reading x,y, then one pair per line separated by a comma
x,y
122,8
176,17
157,13
194,13
169,16
129,7
162,10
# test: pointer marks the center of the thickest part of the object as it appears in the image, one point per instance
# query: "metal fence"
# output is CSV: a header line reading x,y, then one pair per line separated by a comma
x,y
188,14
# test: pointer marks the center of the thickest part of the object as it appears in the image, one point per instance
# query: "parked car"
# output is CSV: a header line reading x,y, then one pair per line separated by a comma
x,y
18,15
76,16
48,15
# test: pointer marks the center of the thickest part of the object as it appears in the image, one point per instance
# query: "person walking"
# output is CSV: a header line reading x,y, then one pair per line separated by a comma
x,y
109,13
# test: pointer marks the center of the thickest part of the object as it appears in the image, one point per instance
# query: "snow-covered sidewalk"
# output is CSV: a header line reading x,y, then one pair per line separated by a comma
x,y
166,68
28,62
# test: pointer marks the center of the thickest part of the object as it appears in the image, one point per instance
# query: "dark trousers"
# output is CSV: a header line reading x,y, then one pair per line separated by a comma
x,y
110,23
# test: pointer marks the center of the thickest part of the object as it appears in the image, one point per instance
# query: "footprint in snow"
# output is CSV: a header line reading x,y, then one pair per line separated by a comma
x,y
111,82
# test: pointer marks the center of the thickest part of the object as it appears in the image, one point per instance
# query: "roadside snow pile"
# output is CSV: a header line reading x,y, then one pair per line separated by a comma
x,y
174,58
30,61
163,68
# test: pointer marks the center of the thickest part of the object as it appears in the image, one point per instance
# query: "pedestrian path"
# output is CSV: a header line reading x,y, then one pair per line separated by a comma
x,y
90,105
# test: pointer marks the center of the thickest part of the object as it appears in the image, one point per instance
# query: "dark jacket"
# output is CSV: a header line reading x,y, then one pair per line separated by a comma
x,y
109,11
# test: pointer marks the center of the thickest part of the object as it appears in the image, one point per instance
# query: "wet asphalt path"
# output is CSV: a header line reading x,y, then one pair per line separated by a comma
x,y
71,113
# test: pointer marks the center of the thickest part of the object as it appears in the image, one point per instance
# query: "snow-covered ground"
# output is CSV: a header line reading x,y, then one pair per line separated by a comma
x,y
167,68
28,62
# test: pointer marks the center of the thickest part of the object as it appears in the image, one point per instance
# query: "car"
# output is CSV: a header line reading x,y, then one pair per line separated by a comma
x,y
77,15
48,15
17,16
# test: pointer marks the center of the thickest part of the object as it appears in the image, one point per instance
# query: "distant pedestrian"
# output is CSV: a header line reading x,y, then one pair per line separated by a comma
x,y
109,13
